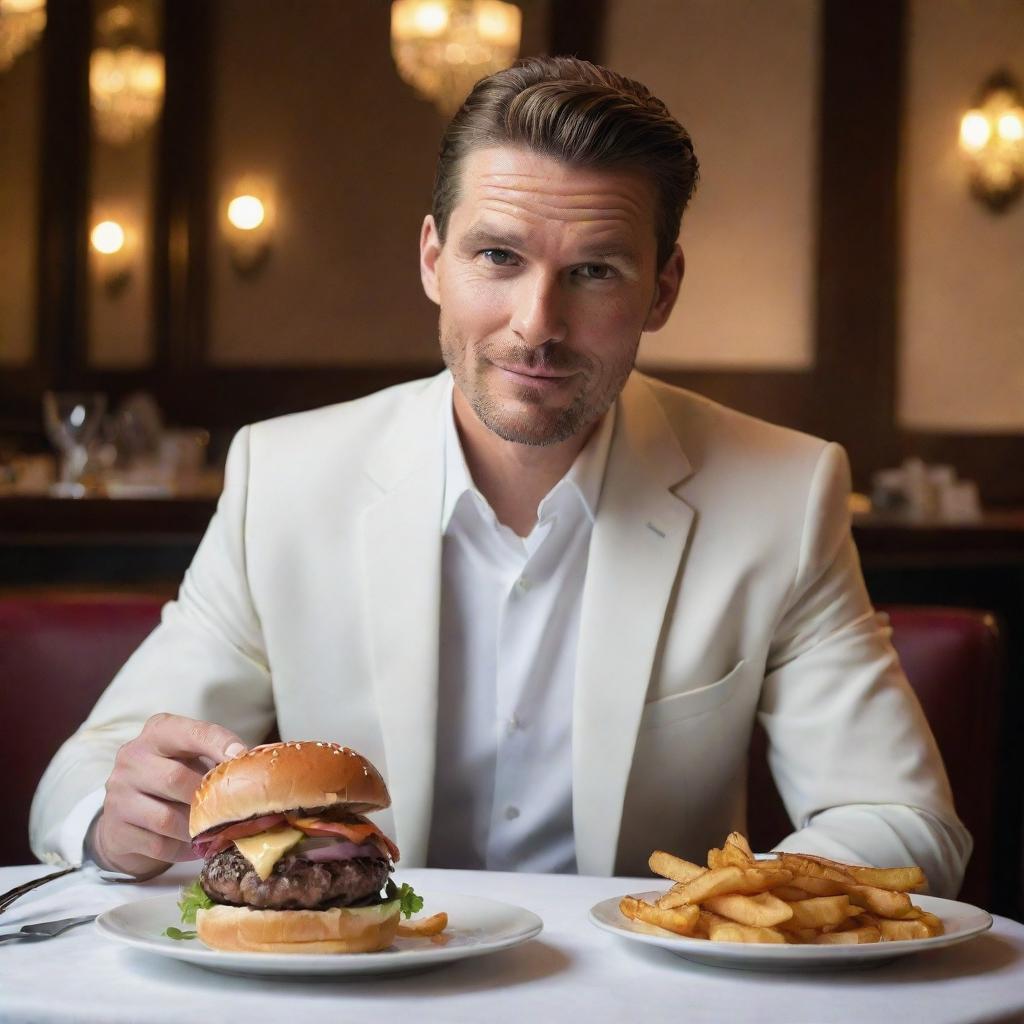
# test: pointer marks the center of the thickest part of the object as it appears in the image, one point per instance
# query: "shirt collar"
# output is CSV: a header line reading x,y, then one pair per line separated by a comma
x,y
585,475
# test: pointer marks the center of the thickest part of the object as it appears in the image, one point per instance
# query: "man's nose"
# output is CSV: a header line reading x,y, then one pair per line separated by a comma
x,y
539,314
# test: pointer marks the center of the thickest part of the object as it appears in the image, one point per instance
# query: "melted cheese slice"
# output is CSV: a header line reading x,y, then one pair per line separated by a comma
x,y
265,849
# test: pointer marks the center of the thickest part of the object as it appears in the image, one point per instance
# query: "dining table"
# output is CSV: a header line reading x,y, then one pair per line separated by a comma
x,y
570,971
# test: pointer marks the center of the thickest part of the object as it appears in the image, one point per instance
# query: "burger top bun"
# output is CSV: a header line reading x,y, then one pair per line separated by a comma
x,y
279,777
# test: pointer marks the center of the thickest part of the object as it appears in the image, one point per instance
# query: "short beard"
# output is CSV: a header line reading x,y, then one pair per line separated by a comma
x,y
541,429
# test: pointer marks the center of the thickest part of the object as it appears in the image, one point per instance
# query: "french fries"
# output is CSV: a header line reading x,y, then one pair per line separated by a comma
x,y
681,921
790,898
676,868
423,926
761,911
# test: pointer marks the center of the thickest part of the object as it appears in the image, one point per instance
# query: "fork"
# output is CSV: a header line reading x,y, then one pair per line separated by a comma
x,y
19,890
46,929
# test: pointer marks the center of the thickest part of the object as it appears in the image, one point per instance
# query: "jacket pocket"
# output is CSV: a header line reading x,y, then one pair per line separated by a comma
x,y
679,706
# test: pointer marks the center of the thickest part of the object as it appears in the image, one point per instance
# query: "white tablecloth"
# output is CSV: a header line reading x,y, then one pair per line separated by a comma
x,y
571,972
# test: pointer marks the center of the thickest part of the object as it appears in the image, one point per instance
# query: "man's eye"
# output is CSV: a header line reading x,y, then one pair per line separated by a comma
x,y
597,271
499,257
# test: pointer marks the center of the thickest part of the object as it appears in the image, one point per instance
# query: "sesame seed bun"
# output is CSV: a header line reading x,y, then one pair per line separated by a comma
x,y
279,777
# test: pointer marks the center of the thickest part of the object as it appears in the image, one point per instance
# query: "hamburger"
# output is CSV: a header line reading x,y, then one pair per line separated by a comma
x,y
290,862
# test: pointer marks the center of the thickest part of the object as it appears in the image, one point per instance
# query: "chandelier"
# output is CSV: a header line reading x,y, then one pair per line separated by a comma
x,y
21,24
442,48
126,78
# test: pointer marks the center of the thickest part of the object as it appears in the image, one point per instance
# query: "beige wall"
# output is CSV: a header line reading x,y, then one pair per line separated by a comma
x,y
307,101
962,358
20,115
742,76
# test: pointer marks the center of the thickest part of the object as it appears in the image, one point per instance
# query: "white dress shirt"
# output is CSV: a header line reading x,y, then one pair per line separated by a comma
x,y
510,615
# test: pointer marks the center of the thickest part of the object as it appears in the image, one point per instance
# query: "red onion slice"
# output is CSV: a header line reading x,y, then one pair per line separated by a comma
x,y
340,851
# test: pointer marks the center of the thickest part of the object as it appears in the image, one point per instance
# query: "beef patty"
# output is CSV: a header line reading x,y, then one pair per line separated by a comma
x,y
294,884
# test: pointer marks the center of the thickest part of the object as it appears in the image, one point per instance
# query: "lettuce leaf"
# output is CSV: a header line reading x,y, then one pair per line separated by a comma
x,y
192,899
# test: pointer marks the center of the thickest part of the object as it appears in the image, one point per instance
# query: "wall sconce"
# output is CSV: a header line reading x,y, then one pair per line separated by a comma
x,y
248,232
992,139
108,242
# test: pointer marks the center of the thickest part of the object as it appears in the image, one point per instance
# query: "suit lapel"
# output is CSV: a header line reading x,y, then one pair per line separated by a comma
x,y
401,546
636,549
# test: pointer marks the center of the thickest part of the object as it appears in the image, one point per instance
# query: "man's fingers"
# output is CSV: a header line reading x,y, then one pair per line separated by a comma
x,y
129,838
163,777
175,736
161,817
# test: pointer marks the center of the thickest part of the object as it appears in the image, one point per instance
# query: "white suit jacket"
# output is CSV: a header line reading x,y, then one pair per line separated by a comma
x,y
722,583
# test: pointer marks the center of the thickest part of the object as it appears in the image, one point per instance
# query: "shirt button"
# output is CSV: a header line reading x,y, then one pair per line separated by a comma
x,y
513,724
523,584
511,813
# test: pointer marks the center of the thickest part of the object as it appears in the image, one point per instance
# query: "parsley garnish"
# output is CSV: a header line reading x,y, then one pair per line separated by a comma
x,y
411,903
192,899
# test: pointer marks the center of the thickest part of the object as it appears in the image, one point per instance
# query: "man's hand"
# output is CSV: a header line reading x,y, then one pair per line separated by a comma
x,y
144,825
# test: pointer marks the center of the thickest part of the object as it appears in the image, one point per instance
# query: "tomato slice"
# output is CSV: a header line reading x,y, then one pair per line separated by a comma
x,y
358,832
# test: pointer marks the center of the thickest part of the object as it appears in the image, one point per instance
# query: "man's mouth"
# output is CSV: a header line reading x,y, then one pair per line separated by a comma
x,y
535,375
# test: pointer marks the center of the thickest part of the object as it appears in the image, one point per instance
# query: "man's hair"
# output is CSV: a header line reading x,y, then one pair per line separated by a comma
x,y
579,113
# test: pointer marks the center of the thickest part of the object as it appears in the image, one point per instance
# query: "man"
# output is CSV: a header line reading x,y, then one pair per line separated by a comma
x,y
545,594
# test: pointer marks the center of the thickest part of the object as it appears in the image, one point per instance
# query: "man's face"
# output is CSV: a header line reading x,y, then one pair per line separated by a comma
x,y
546,281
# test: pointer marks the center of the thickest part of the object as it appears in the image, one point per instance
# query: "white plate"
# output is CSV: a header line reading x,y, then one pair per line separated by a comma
x,y
475,927
962,922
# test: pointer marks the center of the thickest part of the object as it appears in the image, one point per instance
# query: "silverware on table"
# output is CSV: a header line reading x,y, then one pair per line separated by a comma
x,y
45,929
19,890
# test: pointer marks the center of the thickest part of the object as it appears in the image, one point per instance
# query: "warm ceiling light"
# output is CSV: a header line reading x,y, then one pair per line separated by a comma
x,y
992,140
429,19
126,72
107,237
126,87
21,24
442,48
246,213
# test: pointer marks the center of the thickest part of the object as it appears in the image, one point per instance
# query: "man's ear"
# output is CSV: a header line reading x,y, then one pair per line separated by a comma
x,y
430,250
670,279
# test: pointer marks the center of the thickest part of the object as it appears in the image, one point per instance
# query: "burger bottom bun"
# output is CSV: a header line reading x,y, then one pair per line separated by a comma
x,y
335,930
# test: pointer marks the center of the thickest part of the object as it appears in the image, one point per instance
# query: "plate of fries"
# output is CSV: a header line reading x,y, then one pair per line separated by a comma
x,y
787,911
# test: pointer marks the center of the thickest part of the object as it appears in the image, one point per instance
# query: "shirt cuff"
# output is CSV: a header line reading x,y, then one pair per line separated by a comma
x,y
66,844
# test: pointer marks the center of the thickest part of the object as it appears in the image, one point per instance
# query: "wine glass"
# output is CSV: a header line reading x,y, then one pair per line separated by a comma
x,y
71,419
